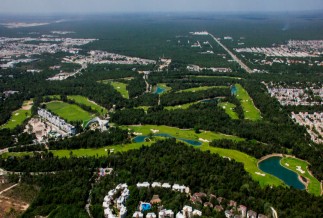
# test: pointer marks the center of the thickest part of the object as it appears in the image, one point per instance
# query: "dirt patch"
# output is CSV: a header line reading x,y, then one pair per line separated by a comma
x,y
27,105
10,207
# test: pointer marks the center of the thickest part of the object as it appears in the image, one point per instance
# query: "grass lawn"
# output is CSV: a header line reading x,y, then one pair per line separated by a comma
x,y
18,116
145,108
68,112
249,109
220,77
121,88
201,88
180,133
85,101
229,109
182,106
314,185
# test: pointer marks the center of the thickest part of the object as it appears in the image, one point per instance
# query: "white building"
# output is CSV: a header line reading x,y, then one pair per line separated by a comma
x,y
143,185
138,214
55,120
166,213
151,215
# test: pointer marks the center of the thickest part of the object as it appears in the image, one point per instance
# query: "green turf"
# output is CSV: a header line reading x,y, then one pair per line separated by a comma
x,y
249,109
229,109
182,106
121,88
145,108
85,101
201,88
220,77
17,118
250,165
314,186
176,132
68,112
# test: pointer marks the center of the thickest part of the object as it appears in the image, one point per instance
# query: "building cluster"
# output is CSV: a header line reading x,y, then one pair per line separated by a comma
x,y
174,187
230,208
164,63
202,33
196,68
103,57
297,96
313,123
17,50
112,200
294,48
58,122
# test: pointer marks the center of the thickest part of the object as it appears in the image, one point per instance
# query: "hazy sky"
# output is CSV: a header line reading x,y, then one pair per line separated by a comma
x,y
92,6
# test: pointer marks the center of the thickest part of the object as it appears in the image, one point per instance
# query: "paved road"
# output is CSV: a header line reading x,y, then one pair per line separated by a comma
x,y
234,57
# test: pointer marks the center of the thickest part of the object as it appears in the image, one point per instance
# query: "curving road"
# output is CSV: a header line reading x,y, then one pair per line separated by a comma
x,y
234,57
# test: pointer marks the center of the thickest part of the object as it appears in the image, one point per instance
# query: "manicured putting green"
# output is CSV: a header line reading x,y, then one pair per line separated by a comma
x,y
229,109
68,112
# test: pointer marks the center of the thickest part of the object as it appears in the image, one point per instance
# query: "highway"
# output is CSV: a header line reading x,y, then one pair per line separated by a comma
x,y
234,57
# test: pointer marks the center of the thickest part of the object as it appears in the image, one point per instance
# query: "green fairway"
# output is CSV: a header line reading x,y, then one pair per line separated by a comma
x,y
250,165
85,101
18,116
220,77
314,185
121,88
229,109
249,109
182,106
68,112
204,136
201,88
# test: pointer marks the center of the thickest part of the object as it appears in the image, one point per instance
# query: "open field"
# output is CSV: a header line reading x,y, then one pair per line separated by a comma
x,y
121,88
19,116
250,165
201,88
68,112
85,101
249,109
314,185
229,109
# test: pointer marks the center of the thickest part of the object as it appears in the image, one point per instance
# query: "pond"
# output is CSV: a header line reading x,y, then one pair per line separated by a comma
x,y
272,166
159,90
189,141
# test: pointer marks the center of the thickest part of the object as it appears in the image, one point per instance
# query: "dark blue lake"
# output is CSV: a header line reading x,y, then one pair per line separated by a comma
x,y
272,166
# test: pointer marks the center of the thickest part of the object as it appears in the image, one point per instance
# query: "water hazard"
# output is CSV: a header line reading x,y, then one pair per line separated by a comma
x,y
272,166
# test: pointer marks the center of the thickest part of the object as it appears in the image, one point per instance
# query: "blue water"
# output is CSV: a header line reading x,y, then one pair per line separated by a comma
x,y
145,206
273,167
140,138
189,141
159,90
